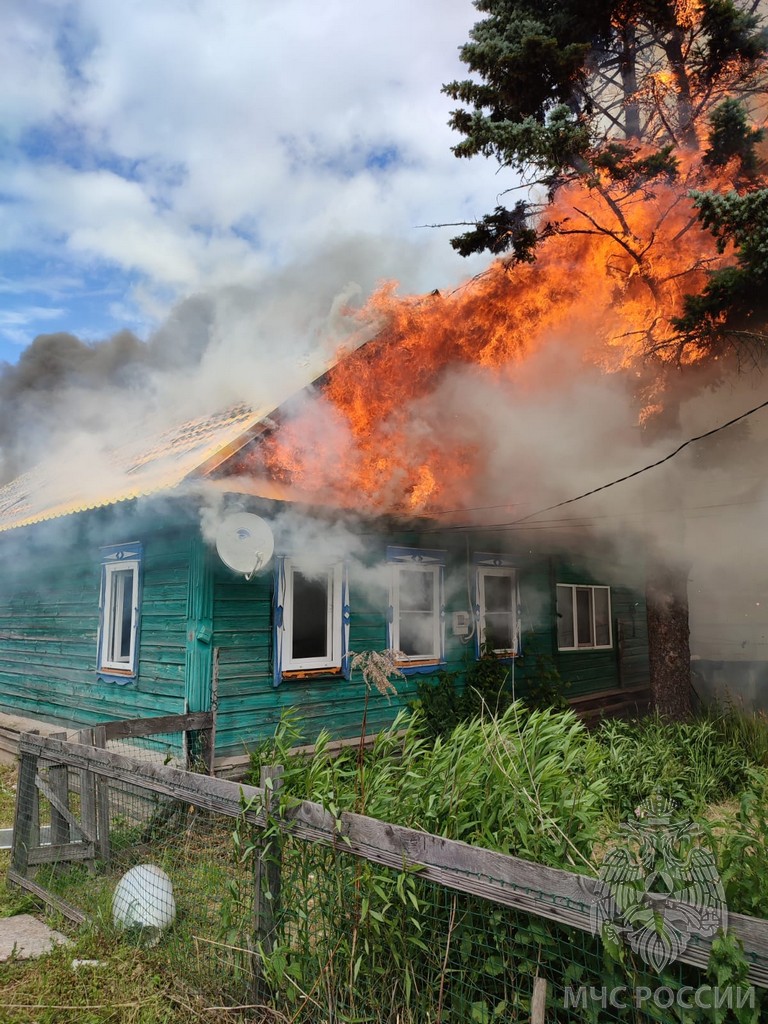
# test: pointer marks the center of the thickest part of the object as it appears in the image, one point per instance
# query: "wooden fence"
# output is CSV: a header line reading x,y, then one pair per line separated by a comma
x,y
85,837
535,889
197,728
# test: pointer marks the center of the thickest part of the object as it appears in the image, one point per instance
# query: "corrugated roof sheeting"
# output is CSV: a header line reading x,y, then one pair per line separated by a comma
x,y
139,468
147,463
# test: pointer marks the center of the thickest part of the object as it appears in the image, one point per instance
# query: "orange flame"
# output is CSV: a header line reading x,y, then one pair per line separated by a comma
x,y
603,289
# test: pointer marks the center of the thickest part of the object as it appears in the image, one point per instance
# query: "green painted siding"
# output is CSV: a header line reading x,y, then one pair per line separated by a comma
x,y
49,619
626,664
250,706
192,605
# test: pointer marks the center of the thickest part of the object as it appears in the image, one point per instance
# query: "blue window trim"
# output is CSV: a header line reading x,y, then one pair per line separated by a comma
x,y
111,555
419,668
489,560
427,556
419,556
278,627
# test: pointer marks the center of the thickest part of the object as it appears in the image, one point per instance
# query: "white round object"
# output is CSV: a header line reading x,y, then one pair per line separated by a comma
x,y
245,542
144,899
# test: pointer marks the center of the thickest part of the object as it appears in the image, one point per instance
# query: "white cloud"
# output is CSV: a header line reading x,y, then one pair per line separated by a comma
x,y
14,322
32,80
195,144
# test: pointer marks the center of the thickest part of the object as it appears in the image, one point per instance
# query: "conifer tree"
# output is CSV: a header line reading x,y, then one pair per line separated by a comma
x,y
598,107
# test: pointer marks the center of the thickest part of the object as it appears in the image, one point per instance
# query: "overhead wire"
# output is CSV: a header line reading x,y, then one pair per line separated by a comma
x,y
594,490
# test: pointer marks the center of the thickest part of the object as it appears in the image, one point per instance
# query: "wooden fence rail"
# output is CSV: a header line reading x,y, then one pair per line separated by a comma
x,y
201,723
561,896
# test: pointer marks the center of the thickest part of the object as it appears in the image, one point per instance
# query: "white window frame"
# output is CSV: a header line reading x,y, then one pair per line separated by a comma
x,y
114,561
334,572
592,588
403,560
505,572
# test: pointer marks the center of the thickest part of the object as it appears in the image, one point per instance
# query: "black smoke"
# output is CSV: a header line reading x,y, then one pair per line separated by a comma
x,y
61,382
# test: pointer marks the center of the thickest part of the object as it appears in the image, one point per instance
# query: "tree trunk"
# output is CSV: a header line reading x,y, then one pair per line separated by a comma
x,y
669,653
686,127
628,70
666,589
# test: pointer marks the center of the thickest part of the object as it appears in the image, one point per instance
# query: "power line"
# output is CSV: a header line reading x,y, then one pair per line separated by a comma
x,y
602,487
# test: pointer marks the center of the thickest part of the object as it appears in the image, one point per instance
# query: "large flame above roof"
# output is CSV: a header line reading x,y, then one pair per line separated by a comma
x,y
377,440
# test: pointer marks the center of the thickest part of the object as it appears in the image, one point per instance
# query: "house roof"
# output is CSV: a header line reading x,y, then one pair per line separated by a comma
x,y
140,467
149,463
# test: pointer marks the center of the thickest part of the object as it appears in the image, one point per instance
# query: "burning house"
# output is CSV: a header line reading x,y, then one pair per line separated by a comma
x,y
482,469
421,492
115,604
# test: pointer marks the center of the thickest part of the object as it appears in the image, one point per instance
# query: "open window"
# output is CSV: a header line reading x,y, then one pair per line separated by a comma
x,y
118,648
497,608
583,617
417,605
311,618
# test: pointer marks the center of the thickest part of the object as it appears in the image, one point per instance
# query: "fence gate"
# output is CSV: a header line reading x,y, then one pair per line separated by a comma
x,y
62,811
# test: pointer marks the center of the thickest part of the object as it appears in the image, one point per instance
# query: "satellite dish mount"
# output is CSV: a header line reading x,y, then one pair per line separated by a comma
x,y
245,543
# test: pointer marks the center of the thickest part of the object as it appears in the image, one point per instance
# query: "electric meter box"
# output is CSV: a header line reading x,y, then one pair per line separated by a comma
x,y
460,624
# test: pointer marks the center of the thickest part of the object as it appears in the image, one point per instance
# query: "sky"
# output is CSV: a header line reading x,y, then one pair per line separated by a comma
x,y
154,151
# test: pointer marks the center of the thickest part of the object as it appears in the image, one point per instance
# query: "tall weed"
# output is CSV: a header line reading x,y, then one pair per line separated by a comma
x,y
688,763
747,730
740,844
361,942
527,782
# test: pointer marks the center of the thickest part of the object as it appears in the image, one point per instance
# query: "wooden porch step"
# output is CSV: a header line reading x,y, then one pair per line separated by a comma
x,y
623,702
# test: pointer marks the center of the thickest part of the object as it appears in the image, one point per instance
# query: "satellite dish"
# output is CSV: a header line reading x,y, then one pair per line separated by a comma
x,y
245,543
144,899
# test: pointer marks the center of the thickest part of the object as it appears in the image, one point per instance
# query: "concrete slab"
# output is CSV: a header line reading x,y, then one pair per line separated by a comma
x,y
27,937
6,837
11,727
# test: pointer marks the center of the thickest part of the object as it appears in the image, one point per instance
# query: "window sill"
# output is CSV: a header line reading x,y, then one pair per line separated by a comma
x,y
584,650
113,675
410,668
332,672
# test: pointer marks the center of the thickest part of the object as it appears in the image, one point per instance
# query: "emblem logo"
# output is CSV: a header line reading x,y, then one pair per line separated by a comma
x,y
658,887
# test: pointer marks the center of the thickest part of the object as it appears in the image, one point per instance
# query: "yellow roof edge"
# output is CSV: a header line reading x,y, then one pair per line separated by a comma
x,y
59,512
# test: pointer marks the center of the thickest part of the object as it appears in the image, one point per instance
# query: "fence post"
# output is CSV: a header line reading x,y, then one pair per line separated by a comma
x,y
102,799
58,783
88,796
538,1000
266,868
26,811
211,753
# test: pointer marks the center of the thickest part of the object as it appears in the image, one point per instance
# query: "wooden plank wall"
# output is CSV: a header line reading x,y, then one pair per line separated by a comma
x,y
590,671
49,615
49,595
250,706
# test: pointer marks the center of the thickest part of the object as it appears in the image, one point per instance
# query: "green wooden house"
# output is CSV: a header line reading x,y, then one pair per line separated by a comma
x,y
114,603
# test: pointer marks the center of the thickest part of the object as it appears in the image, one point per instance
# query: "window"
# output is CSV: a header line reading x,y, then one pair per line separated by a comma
x,y
311,617
119,607
497,606
583,617
416,613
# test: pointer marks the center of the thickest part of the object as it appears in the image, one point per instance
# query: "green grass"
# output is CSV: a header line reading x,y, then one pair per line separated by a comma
x,y
126,985
534,783
7,794
130,985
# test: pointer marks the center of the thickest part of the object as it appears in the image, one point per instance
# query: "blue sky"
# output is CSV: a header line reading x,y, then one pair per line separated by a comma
x,y
152,151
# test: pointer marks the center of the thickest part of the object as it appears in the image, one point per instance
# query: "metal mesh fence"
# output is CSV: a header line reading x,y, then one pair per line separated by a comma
x,y
162,748
160,871
258,917
358,942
